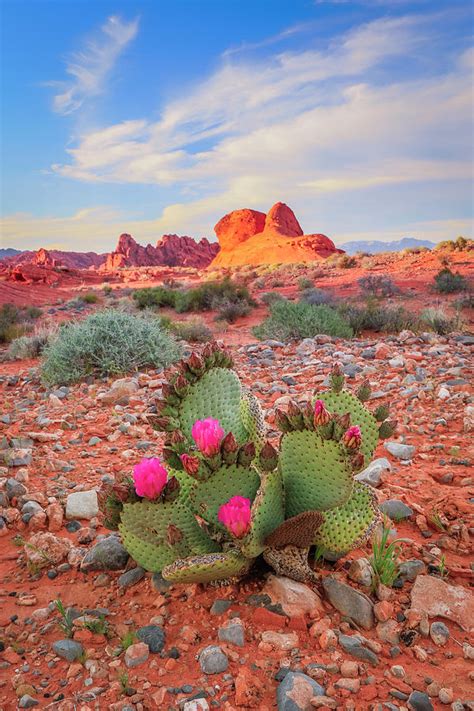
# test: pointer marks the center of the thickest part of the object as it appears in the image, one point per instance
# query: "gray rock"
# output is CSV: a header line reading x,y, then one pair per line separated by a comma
x,y
349,602
31,507
361,572
27,702
396,510
439,633
131,577
417,701
153,636
107,554
232,632
159,583
399,450
409,569
14,488
296,690
220,606
68,649
82,505
212,660
371,474
354,647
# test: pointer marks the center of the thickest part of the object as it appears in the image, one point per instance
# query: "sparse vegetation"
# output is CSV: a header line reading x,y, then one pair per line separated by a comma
x,y
66,620
378,285
195,330
385,558
346,262
106,343
439,322
33,345
448,282
292,321
16,321
316,297
269,297
457,245
89,298
304,283
374,316
230,311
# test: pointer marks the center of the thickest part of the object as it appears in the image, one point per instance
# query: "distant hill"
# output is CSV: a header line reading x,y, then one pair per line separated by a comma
x,y
8,252
376,246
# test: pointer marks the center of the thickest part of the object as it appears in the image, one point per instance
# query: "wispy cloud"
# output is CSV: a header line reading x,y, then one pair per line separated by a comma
x,y
90,67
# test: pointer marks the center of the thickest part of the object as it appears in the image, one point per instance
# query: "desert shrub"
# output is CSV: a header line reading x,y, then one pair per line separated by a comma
x,y
230,311
448,282
195,330
304,283
346,262
269,297
204,297
107,289
289,321
259,283
154,297
376,317
16,321
275,283
316,297
466,301
32,346
377,285
437,320
89,298
108,342
458,245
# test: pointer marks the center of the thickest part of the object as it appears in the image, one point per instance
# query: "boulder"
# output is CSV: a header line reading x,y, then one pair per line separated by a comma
x,y
437,598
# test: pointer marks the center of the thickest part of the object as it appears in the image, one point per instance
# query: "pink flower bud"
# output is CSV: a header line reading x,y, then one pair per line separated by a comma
x,y
352,438
190,464
208,435
235,516
150,477
321,415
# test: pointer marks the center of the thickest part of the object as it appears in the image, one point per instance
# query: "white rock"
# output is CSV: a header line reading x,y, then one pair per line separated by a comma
x,y
443,393
82,505
371,474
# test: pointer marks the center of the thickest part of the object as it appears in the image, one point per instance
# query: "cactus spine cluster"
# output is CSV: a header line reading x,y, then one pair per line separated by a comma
x,y
300,496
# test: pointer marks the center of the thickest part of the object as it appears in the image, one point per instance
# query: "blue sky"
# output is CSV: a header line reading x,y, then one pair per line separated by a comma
x,y
160,116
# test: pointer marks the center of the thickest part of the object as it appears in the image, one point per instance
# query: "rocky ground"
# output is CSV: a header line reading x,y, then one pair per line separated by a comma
x,y
267,642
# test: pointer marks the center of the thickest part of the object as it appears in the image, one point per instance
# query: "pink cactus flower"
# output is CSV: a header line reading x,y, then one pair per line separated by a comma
x,y
235,516
321,415
208,435
190,464
352,438
150,477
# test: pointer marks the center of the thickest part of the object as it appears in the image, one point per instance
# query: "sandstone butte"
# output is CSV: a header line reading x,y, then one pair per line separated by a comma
x,y
251,237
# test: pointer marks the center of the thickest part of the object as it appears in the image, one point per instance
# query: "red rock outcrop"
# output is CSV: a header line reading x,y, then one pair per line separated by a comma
x,y
55,258
251,237
170,251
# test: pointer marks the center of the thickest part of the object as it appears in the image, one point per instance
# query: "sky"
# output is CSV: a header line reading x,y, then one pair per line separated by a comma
x,y
160,116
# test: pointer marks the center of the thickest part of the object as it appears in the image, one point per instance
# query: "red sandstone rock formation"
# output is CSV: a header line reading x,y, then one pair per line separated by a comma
x,y
170,250
251,237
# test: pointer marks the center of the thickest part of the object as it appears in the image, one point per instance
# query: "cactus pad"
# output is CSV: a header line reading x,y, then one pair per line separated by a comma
x,y
298,531
316,473
350,525
155,534
228,481
252,418
207,568
268,510
216,394
344,401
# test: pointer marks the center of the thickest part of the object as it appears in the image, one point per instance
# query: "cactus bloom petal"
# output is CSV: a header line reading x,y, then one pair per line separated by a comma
x,y
190,464
321,415
352,438
150,477
208,435
235,516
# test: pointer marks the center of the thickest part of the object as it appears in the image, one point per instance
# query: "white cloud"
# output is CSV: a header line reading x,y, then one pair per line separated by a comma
x,y
90,67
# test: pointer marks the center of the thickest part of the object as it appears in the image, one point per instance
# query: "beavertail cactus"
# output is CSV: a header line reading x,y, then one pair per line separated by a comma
x,y
224,495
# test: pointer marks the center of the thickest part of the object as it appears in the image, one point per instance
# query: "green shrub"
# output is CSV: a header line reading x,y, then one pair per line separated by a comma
x,y
16,321
458,245
448,282
304,283
155,297
89,298
316,297
31,346
436,320
195,330
269,297
377,285
230,311
376,317
204,297
107,289
288,321
106,343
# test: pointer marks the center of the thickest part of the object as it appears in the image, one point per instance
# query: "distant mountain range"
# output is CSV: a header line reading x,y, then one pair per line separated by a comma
x,y
9,252
377,246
